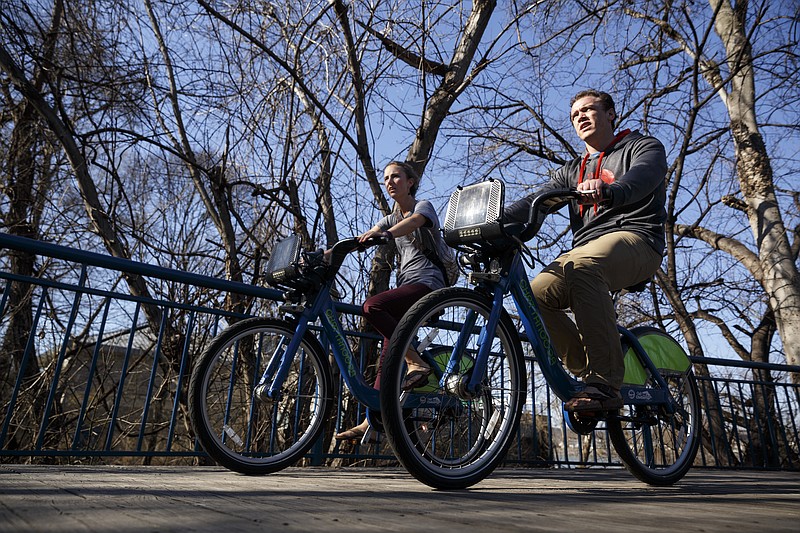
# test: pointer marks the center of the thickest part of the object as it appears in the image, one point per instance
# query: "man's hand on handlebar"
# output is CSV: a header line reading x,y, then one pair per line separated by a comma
x,y
593,191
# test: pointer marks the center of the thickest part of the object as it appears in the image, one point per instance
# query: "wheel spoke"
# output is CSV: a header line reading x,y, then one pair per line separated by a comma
x,y
237,428
456,434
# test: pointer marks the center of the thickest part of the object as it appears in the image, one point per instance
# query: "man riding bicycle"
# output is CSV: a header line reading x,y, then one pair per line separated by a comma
x,y
618,241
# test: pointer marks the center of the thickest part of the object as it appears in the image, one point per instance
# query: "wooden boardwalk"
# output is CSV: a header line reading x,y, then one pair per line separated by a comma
x,y
188,499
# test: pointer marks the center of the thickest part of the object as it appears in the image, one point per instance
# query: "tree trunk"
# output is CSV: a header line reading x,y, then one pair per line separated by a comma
x,y
453,84
100,220
781,279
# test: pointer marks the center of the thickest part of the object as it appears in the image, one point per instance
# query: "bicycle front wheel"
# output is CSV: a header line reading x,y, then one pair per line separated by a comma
x,y
658,445
452,437
242,432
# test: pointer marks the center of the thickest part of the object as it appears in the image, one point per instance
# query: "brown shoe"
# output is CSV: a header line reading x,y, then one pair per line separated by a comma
x,y
595,397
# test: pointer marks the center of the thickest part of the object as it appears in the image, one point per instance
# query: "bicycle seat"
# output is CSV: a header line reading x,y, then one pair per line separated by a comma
x,y
638,287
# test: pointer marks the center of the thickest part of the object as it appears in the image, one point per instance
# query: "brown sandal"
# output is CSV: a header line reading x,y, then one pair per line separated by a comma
x,y
416,378
355,433
595,397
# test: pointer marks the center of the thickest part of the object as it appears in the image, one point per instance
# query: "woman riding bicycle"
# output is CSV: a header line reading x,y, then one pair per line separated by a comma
x,y
416,274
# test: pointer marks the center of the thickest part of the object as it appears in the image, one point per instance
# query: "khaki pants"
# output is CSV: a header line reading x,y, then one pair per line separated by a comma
x,y
581,280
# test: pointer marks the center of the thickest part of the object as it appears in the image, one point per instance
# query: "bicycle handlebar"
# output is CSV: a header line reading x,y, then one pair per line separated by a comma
x,y
543,205
340,250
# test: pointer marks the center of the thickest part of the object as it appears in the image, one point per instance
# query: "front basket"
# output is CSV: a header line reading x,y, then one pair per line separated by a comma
x,y
283,263
473,213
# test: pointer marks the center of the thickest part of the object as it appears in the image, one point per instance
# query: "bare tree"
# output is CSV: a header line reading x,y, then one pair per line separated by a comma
x,y
195,134
772,263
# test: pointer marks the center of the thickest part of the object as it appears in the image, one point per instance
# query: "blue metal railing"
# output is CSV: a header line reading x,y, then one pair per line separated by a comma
x,y
100,374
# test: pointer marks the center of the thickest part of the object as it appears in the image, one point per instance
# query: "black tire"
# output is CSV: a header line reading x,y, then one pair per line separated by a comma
x,y
655,446
242,432
456,445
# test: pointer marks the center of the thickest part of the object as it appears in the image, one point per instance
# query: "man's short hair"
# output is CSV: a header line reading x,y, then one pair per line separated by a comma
x,y
608,102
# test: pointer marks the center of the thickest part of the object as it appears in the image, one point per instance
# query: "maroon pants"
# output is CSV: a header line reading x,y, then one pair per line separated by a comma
x,y
384,311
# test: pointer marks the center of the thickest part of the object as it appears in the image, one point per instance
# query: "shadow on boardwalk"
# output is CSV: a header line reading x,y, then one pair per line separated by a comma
x,y
128,499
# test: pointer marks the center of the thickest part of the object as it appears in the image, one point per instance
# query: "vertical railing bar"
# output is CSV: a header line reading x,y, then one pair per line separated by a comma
x,y
151,383
535,430
122,378
90,374
726,449
771,431
728,446
796,437
60,360
29,347
757,423
179,385
706,380
748,426
783,440
735,419
4,298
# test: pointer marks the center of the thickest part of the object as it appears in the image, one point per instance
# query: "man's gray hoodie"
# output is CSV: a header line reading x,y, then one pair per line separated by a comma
x,y
634,168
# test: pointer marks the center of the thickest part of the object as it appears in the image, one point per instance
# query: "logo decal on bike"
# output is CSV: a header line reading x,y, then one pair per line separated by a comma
x,y
541,330
640,395
341,342
427,401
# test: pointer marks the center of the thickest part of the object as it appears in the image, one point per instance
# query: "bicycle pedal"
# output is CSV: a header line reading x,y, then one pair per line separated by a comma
x,y
292,309
580,423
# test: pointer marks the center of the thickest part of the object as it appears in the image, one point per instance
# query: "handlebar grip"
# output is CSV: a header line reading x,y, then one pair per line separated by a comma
x,y
543,205
345,246
374,241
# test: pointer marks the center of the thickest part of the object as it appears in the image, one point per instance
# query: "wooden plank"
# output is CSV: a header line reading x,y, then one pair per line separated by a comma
x,y
121,499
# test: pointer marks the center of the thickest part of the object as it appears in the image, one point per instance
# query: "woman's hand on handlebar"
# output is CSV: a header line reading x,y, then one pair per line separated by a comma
x,y
378,236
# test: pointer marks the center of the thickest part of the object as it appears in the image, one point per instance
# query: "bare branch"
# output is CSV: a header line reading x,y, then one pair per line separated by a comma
x,y
405,55
725,244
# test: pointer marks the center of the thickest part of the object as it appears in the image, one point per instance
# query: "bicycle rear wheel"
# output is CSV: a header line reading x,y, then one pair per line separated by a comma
x,y
246,434
655,445
450,438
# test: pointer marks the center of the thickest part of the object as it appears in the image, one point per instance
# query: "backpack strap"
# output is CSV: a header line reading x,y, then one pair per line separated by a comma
x,y
428,247
425,243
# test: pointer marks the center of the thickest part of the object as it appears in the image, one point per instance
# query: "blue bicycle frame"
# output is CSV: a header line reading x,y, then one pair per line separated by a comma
x,y
560,381
322,308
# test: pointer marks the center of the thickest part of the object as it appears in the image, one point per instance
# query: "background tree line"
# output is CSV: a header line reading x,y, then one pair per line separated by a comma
x,y
195,133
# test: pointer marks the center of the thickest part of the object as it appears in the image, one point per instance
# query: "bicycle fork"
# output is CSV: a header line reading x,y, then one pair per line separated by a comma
x,y
469,385
271,381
